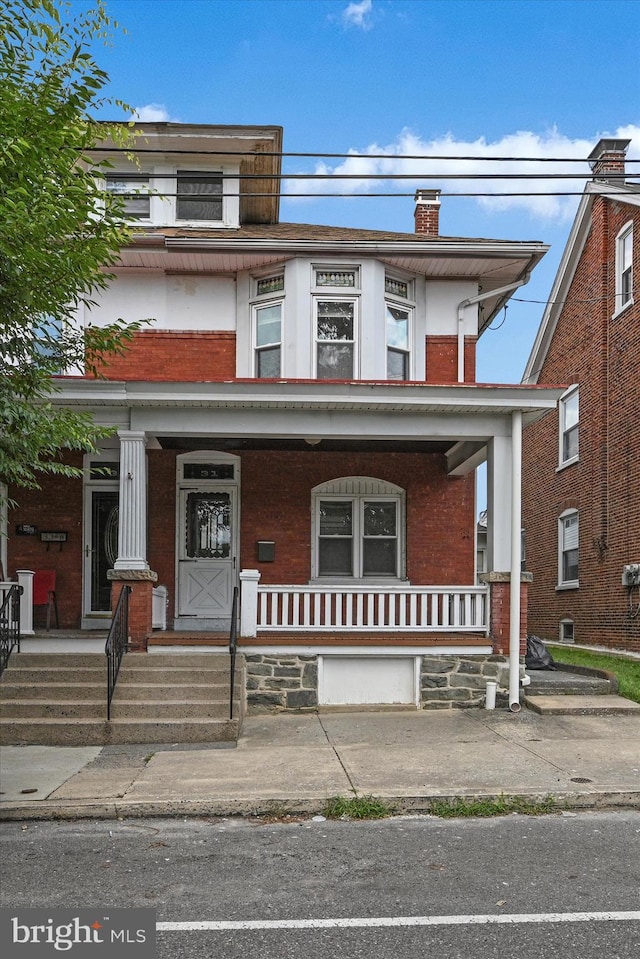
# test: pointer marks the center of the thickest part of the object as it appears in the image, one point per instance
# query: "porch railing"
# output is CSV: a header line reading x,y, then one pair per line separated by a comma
x,y
117,642
9,621
371,609
233,648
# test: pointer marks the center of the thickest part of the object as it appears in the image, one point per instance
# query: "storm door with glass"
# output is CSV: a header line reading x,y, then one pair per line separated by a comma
x,y
206,557
100,549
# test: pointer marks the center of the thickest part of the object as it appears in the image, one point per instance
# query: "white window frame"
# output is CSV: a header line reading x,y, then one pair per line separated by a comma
x,y
564,547
141,178
562,631
261,301
407,305
359,499
624,268
331,296
573,393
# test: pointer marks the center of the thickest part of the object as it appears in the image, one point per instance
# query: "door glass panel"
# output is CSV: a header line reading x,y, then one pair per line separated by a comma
x,y
208,525
104,542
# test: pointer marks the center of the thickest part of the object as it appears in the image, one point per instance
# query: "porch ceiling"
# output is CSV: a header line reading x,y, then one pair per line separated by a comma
x,y
296,445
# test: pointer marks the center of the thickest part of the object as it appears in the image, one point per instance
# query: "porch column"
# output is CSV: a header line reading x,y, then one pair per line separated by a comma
x,y
132,524
249,579
499,483
131,567
25,579
516,560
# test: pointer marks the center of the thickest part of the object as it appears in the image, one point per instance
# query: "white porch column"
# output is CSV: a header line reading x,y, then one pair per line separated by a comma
x,y
25,579
516,560
249,579
132,528
499,503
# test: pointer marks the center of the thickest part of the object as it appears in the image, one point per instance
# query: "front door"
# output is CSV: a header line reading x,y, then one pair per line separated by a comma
x,y
100,551
207,555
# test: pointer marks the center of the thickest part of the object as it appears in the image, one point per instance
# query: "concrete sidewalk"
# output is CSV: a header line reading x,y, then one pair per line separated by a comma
x,y
293,763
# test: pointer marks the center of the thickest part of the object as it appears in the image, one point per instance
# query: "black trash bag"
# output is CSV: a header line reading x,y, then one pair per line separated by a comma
x,y
538,656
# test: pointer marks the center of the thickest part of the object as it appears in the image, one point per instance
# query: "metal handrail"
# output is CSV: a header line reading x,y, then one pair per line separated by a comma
x,y
9,624
117,641
233,646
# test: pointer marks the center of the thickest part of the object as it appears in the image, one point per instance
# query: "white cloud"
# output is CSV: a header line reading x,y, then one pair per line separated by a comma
x,y
151,113
358,14
528,152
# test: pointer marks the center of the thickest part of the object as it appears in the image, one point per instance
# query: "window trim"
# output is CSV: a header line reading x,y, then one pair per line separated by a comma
x,y
261,301
573,391
336,297
567,621
387,492
562,549
625,233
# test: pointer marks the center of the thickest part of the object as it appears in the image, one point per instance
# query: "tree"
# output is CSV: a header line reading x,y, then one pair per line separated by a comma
x,y
59,232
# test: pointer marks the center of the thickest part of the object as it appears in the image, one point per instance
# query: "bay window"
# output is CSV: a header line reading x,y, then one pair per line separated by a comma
x,y
335,325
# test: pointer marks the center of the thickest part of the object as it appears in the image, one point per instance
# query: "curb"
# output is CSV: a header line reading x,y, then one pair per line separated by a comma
x,y
280,808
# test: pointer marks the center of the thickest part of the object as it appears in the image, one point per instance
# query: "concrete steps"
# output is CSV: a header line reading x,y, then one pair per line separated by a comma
x,y
575,691
60,699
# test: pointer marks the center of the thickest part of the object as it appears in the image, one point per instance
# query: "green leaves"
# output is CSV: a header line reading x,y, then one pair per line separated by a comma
x,y
58,237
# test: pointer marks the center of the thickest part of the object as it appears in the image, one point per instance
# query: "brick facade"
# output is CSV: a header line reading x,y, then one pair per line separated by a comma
x,y
599,350
187,356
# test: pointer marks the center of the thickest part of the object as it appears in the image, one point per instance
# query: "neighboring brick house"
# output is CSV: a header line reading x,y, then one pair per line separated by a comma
x,y
300,417
581,467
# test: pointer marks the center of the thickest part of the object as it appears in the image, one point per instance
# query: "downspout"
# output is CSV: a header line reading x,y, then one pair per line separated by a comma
x,y
516,561
470,301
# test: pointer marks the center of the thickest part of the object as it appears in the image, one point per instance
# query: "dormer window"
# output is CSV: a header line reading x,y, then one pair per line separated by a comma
x,y
198,196
133,190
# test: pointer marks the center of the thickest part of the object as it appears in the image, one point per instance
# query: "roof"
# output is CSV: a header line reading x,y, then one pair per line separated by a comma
x,y
614,191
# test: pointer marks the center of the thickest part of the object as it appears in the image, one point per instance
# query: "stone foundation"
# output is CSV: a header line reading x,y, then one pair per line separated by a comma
x,y
277,682
457,682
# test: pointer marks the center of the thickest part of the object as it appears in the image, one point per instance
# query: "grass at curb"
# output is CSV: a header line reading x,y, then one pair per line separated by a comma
x,y
356,807
486,808
368,807
627,670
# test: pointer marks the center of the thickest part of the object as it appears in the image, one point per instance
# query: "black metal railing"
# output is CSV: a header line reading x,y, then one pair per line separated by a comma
x,y
9,624
117,641
233,648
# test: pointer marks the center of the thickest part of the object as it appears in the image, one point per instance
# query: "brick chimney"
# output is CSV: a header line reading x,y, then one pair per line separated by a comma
x,y
427,212
607,159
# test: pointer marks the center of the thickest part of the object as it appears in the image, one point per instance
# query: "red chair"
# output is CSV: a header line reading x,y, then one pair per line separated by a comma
x,y
44,593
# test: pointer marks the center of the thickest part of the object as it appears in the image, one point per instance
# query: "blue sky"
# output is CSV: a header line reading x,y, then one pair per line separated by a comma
x,y
458,78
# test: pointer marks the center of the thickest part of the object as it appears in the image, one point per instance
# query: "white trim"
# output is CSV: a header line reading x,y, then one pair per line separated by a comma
x,y
326,650
623,234
563,548
562,428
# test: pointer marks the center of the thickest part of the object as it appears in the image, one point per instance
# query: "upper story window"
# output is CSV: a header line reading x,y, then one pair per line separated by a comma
x,y
569,422
568,543
198,196
624,267
133,190
398,319
267,316
335,318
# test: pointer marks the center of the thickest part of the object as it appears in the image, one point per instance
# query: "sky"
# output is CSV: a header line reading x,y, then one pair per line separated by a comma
x,y
452,78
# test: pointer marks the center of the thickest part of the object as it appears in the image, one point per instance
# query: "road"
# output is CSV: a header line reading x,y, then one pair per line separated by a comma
x,y
565,886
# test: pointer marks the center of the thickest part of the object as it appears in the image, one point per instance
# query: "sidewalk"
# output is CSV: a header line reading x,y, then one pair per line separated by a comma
x,y
293,763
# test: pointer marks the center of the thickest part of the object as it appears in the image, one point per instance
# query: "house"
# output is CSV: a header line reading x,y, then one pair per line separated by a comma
x,y
301,418
581,476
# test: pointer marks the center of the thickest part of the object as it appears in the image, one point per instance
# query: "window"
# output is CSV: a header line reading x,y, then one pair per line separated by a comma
x,y
569,419
567,634
624,267
133,190
398,324
358,529
568,540
267,325
335,321
357,537
199,196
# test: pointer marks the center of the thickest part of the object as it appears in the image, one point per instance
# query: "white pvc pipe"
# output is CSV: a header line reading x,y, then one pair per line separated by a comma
x,y
490,696
516,561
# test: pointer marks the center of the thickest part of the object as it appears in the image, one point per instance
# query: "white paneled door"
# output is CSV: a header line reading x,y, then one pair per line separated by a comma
x,y
206,558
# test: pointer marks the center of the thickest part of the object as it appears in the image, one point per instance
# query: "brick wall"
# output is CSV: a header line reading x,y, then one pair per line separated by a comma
x,y
190,356
601,353
442,359
57,507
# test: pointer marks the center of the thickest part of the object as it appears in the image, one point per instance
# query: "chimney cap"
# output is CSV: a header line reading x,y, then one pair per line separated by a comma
x,y
429,196
607,146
